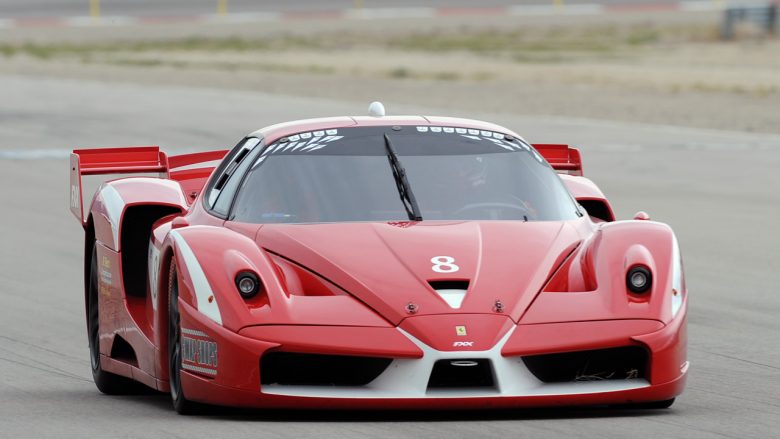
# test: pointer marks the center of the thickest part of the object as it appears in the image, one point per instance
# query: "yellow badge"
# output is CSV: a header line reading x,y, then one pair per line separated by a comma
x,y
460,330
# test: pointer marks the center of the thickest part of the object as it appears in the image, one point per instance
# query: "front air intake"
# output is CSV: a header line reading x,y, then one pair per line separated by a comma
x,y
295,369
593,365
461,373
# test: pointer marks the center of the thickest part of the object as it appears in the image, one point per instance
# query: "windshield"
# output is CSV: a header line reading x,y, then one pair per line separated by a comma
x,y
454,174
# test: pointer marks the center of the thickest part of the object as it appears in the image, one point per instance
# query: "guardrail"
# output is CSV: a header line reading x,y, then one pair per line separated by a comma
x,y
763,16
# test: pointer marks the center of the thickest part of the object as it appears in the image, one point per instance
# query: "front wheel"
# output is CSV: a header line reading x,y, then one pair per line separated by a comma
x,y
181,404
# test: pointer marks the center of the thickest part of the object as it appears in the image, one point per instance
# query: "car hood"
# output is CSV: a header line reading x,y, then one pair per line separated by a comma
x,y
395,268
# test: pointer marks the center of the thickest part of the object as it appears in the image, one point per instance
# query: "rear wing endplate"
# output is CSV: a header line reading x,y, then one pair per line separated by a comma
x,y
562,158
131,160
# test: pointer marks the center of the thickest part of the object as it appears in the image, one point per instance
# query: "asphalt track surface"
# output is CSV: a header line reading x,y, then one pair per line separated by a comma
x,y
719,191
142,8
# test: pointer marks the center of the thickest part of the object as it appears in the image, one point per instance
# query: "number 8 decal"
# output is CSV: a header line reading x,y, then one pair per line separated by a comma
x,y
444,264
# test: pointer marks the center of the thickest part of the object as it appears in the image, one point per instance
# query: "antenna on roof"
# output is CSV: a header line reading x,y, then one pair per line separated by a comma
x,y
376,109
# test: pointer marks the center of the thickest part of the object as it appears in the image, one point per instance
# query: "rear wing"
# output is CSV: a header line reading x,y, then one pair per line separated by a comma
x,y
562,158
137,160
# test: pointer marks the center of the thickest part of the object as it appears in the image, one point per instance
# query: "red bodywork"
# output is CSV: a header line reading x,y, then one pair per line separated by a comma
x,y
345,289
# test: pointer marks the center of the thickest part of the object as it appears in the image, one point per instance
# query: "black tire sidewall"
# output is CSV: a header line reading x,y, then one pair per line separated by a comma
x,y
92,301
181,404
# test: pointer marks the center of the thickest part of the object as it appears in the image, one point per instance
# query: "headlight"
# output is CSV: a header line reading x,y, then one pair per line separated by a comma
x,y
248,284
638,279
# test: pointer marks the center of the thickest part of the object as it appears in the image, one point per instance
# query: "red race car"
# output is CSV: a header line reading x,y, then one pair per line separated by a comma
x,y
376,262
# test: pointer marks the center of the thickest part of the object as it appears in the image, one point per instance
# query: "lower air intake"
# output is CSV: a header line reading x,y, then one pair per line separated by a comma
x,y
448,374
288,368
594,365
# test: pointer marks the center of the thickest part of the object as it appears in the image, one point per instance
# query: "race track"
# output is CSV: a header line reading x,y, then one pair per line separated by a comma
x,y
719,191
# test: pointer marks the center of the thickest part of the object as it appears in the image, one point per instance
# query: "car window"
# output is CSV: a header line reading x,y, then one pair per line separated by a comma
x,y
455,174
225,186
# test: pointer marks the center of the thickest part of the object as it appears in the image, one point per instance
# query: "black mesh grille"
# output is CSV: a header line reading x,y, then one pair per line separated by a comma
x,y
594,365
288,368
461,373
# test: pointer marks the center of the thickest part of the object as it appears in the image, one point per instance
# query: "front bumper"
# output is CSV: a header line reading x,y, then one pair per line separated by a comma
x,y
405,383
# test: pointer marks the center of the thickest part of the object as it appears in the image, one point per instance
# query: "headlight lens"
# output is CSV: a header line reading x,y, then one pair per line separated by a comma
x,y
639,280
248,284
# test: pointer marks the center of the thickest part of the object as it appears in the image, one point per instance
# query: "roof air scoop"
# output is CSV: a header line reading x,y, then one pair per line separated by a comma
x,y
451,291
376,109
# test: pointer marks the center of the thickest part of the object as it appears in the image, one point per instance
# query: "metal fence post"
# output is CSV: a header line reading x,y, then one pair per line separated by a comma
x,y
94,8
727,27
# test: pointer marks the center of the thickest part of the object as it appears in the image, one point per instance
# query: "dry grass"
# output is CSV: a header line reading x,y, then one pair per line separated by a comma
x,y
665,71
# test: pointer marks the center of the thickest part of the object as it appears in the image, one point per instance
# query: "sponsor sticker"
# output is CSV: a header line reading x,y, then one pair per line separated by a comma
x,y
75,197
106,277
199,353
154,271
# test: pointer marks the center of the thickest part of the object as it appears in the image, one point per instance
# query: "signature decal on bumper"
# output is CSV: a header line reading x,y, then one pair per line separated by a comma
x,y
198,352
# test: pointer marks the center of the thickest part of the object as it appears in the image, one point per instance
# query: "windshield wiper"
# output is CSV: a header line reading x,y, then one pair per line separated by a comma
x,y
404,189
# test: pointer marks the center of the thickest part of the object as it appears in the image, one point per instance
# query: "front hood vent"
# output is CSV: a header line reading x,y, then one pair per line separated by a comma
x,y
451,291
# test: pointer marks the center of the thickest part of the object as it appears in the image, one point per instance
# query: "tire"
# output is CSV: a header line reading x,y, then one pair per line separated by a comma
x,y
106,382
181,404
